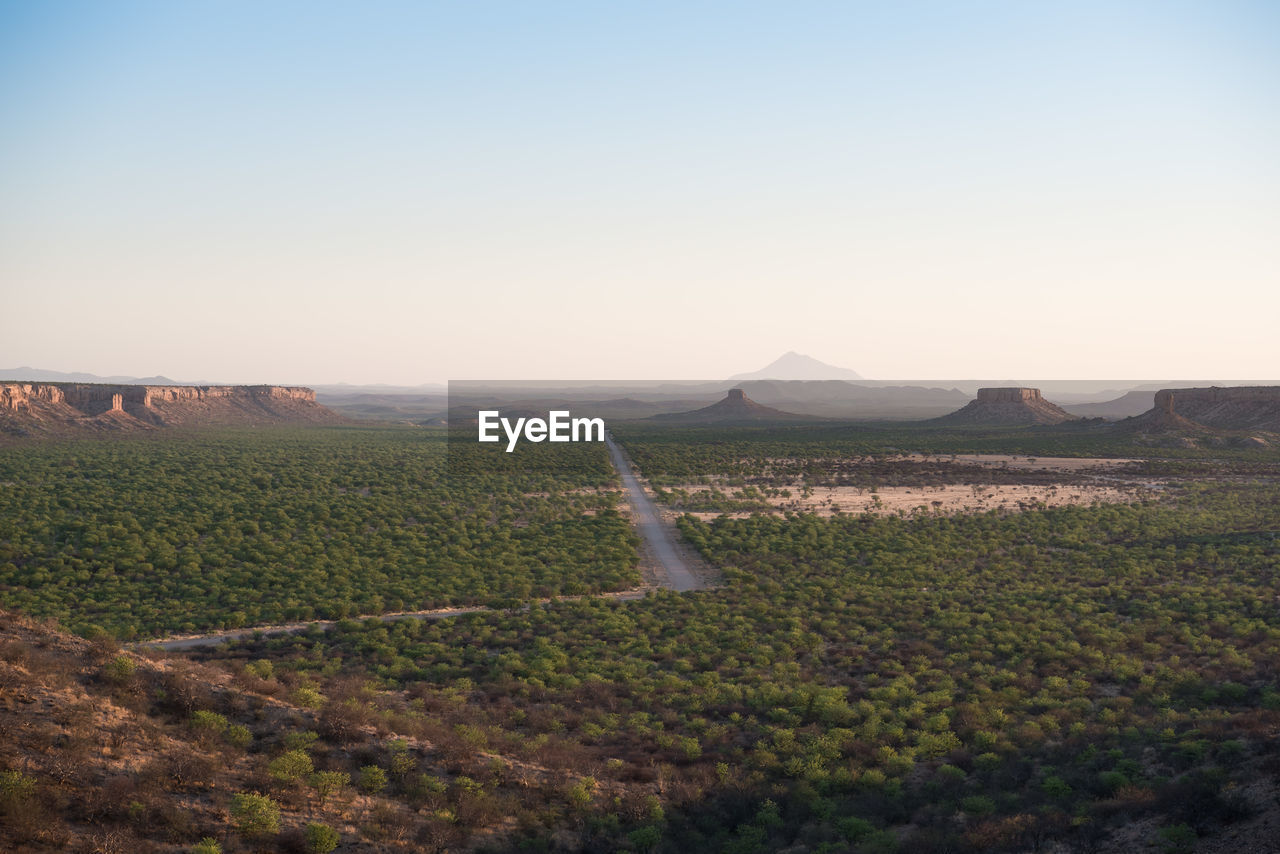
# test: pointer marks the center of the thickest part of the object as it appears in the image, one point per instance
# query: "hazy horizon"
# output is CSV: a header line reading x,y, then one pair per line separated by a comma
x,y
1091,384
408,193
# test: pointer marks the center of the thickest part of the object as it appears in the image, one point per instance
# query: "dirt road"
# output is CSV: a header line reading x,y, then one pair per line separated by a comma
x,y
194,641
658,535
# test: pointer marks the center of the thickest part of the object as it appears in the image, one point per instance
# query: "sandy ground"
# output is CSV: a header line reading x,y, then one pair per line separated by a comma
x,y
955,498
1006,461
959,498
999,461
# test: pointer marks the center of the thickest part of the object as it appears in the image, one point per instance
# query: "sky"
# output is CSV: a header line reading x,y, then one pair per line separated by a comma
x,y
319,192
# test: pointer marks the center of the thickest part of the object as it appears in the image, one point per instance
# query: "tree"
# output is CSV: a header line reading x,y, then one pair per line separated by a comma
x,y
290,767
255,815
321,839
372,779
328,783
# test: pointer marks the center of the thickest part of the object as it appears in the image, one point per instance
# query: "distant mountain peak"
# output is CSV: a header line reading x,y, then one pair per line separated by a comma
x,y
797,366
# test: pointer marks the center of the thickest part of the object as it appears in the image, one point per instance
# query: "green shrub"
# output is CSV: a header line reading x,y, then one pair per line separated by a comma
x,y
262,668
321,839
206,723
1112,780
328,783
1056,788
300,740
119,670
239,736
290,767
372,779
1177,839
645,838
854,829
308,697
978,805
255,815
16,789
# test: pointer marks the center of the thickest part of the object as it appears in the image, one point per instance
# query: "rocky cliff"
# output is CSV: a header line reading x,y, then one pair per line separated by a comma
x,y
1238,408
1013,407
1009,395
27,408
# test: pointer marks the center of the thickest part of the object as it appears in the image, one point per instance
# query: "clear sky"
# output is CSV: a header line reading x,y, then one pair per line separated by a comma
x,y
324,192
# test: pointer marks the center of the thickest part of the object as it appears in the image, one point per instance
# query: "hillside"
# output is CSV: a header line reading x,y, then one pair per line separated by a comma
x,y
840,399
130,752
1127,405
110,751
41,408
736,408
1011,407
1237,408
1240,415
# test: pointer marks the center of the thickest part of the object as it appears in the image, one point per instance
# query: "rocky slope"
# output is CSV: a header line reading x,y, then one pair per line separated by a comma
x,y
736,408
106,750
1233,415
1013,407
1239,408
34,408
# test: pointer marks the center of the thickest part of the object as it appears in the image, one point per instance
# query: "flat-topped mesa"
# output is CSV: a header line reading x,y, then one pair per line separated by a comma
x,y
173,393
1008,394
1254,407
143,406
736,394
1011,406
17,397
1171,399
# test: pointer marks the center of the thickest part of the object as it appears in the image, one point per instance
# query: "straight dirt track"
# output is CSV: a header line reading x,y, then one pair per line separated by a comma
x,y
656,533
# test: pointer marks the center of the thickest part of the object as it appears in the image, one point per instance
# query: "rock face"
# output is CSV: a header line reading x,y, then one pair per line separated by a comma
x,y
1013,406
57,407
1240,408
1009,395
736,408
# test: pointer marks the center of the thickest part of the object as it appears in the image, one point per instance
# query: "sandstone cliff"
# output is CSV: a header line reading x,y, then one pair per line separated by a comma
x,y
1214,408
1013,407
34,408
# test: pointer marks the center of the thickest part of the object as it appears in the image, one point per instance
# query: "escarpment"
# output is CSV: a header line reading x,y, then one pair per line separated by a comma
x,y
28,408
1234,408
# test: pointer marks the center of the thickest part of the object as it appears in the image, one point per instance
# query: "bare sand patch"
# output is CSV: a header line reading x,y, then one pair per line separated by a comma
x,y
995,461
940,500
1014,461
